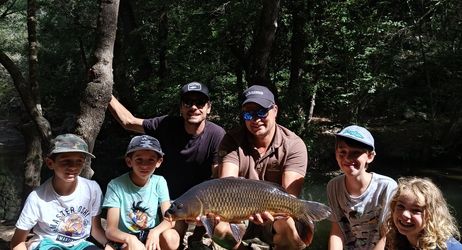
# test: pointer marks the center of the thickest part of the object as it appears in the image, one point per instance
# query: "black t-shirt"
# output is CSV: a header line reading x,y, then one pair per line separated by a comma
x,y
188,159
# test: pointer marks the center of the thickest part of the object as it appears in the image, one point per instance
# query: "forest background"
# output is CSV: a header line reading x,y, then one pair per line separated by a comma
x,y
393,66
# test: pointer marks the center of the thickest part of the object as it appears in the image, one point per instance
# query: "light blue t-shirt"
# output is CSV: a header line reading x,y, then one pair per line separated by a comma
x,y
360,218
138,205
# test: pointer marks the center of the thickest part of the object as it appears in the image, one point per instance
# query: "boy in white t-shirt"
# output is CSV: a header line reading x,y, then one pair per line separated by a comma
x,y
65,209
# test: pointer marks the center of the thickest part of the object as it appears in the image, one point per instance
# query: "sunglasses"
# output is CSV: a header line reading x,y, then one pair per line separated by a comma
x,y
199,103
250,115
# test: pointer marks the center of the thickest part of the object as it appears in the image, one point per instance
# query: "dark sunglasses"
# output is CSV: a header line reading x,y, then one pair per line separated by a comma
x,y
199,103
250,115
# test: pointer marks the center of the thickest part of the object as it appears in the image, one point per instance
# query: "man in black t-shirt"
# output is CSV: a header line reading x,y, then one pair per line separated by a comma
x,y
190,142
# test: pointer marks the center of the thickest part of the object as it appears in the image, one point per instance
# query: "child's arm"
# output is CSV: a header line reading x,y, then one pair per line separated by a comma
x,y
18,242
381,243
97,230
114,234
335,237
154,234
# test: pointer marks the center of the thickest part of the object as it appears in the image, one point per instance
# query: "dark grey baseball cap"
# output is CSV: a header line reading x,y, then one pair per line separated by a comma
x,y
144,142
260,95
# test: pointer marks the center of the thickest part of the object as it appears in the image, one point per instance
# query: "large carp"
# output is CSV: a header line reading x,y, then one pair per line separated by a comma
x,y
236,199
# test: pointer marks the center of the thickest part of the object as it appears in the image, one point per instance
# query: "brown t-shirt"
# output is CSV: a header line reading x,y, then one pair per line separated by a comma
x,y
287,152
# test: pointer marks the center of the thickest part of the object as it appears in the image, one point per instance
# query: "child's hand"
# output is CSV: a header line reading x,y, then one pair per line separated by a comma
x,y
152,242
135,244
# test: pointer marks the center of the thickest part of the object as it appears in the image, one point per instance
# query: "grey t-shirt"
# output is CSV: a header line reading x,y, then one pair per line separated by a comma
x,y
360,218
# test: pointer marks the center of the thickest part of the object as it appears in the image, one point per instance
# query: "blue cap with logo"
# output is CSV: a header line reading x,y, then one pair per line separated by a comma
x,y
144,142
260,95
68,143
195,87
359,134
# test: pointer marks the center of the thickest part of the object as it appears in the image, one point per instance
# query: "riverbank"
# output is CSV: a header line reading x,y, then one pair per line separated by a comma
x,y
6,232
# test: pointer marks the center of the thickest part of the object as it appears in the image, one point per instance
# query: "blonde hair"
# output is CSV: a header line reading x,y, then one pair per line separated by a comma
x,y
439,224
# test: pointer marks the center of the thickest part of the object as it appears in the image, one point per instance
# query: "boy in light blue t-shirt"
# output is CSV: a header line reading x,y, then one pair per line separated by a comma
x,y
133,199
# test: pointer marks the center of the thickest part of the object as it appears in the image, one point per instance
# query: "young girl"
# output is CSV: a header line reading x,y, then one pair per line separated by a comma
x,y
420,217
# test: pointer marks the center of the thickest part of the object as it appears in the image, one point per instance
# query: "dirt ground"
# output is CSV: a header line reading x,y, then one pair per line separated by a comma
x,y
6,232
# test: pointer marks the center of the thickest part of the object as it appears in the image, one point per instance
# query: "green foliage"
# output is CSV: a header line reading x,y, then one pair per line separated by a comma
x,y
365,61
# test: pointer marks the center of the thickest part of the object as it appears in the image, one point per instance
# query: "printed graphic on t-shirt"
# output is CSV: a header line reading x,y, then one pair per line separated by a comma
x,y
138,216
70,224
361,229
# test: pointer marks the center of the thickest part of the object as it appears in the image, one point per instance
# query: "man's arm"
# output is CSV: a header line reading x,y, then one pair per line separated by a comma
x,y
292,182
227,169
125,117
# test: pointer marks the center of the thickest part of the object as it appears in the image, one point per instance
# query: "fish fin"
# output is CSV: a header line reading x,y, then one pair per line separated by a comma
x,y
209,224
236,231
314,211
305,231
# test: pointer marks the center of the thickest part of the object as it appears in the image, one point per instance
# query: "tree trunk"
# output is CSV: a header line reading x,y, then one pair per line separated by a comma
x,y
40,129
258,73
27,98
98,92
33,162
163,36
297,48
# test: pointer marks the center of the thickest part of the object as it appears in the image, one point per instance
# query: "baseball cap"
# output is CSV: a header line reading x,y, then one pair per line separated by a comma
x,y
260,95
144,142
67,143
359,134
195,87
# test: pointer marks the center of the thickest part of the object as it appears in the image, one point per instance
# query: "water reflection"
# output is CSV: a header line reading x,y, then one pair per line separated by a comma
x,y
448,179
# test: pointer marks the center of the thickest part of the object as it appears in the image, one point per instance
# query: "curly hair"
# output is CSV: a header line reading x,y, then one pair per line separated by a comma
x,y
440,225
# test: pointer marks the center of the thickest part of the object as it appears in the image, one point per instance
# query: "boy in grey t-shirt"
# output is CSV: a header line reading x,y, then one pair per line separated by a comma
x,y
358,199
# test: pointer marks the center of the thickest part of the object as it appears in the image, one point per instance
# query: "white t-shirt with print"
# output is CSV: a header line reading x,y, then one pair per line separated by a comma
x,y
63,219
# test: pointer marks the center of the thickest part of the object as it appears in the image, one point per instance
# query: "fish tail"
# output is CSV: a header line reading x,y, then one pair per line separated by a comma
x,y
313,211
310,211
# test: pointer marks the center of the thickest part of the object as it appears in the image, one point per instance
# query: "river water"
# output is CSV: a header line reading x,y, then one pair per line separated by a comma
x,y
448,178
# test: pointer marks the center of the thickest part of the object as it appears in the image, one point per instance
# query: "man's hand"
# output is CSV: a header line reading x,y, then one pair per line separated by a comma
x,y
262,218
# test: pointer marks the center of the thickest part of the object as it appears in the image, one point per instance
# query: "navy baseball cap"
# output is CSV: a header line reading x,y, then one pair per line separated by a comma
x,y
195,87
260,95
358,134
144,142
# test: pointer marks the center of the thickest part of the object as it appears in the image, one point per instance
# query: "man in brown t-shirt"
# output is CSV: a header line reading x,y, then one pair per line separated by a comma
x,y
264,150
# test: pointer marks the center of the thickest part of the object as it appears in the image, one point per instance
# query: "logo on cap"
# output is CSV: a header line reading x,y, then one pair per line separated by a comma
x,y
353,133
254,92
194,86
